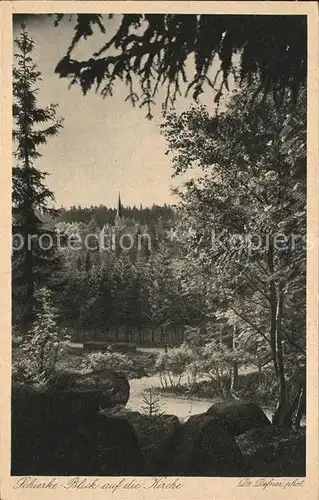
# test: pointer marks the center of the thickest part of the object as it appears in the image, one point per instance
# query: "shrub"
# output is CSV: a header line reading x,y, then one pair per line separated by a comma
x,y
192,373
42,347
143,364
216,363
173,364
107,360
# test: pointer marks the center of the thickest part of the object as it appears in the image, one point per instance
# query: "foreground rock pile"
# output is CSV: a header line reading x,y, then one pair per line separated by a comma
x,y
66,433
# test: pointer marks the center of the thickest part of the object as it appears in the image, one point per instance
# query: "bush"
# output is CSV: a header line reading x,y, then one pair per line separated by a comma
x,y
107,360
173,364
36,365
261,388
143,364
216,363
212,361
206,389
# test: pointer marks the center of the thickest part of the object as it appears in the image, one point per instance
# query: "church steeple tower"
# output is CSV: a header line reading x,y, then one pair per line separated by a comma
x,y
119,207
119,213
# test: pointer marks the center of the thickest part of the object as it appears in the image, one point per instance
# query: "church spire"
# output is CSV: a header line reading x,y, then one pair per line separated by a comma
x,y
119,207
119,214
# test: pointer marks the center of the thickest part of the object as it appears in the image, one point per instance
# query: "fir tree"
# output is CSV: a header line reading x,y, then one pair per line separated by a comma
x,y
151,405
33,125
151,51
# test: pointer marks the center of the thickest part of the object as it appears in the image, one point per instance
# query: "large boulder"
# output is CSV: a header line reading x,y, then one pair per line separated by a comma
x,y
105,446
238,417
54,407
202,447
154,434
272,451
50,436
114,387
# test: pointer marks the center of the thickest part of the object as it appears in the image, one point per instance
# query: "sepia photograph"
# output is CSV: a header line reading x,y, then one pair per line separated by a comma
x,y
159,246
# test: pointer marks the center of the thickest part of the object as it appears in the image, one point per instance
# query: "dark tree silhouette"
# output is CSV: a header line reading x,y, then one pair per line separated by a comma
x,y
33,125
149,51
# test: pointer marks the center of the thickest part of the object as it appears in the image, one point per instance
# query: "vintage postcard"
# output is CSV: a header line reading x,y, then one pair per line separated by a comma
x,y
159,257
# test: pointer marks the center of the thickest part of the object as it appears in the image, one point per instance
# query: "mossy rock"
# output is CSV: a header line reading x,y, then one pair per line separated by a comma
x,y
154,434
238,417
272,451
202,447
86,444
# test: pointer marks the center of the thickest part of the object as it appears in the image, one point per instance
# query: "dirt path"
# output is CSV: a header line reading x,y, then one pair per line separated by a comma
x,y
182,407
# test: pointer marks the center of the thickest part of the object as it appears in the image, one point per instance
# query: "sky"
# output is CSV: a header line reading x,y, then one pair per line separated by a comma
x,y
106,146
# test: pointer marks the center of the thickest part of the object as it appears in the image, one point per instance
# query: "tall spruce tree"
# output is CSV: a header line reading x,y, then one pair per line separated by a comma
x,y
33,125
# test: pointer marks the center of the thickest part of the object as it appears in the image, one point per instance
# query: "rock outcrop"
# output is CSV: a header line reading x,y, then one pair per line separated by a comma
x,y
154,434
63,434
272,451
202,447
238,417
114,387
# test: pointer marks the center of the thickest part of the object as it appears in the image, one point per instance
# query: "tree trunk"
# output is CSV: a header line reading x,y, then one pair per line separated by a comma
x,y
281,416
260,376
273,305
221,336
28,264
284,412
164,337
161,336
234,370
280,358
77,335
300,407
234,377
